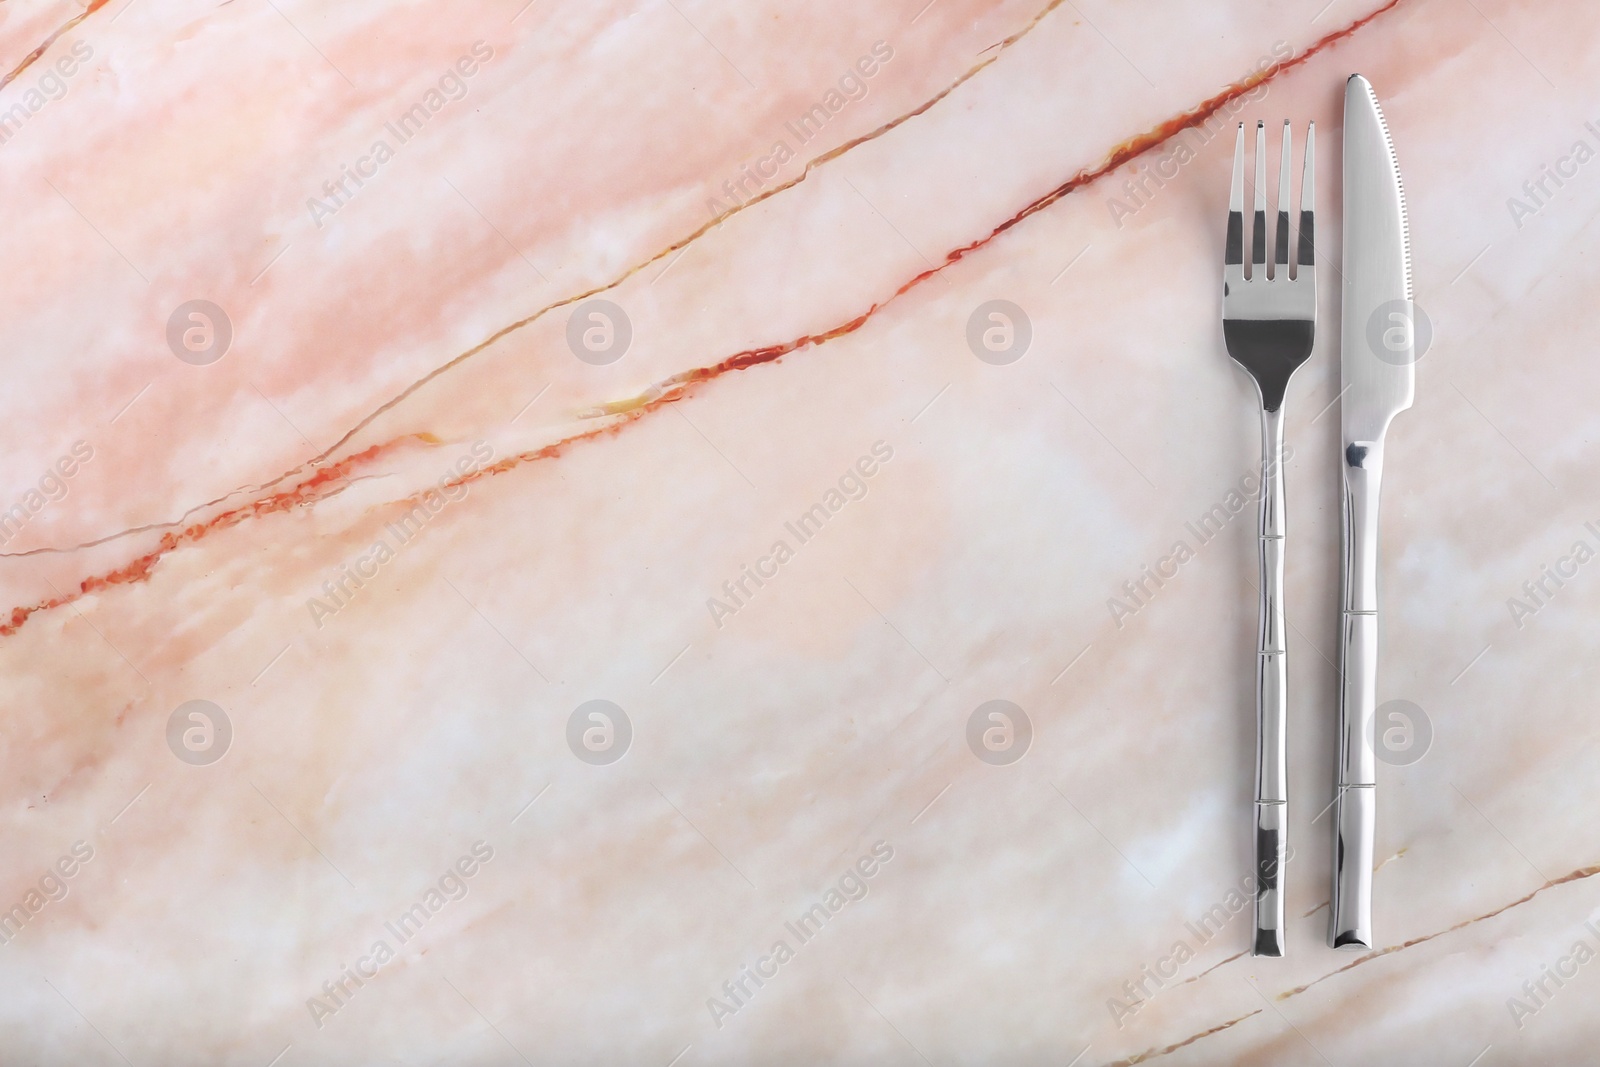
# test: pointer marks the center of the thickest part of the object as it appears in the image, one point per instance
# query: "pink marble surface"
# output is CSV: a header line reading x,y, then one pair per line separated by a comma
x,y
397,533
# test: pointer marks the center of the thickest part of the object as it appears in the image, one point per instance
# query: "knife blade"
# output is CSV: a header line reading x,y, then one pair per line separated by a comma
x,y
1377,367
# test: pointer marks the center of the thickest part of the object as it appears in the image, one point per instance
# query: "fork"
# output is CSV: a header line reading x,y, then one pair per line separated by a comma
x,y
1269,323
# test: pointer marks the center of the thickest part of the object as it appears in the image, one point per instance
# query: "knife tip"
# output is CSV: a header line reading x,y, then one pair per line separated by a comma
x,y
1357,87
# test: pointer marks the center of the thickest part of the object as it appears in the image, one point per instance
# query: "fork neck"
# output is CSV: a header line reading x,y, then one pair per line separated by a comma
x,y
1272,506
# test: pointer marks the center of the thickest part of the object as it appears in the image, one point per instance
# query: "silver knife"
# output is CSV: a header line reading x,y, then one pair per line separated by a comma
x,y
1377,365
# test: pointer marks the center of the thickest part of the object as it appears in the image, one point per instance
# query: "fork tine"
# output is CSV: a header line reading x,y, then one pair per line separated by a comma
x,y
1280,246
1258,228
1308,245
1233,256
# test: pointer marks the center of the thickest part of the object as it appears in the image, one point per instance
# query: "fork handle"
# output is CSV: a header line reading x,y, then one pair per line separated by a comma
x,y
1355,799
1272,798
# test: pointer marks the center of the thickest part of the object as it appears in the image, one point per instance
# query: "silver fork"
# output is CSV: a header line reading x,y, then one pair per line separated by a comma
x,y
1269,324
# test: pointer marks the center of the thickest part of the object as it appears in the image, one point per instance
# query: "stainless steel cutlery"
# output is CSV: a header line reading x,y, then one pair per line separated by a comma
x,y
1269,321
1377,366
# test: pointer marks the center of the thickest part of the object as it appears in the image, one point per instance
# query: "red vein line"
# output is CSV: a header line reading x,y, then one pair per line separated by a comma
x,y
29,59
1214,966
326,482
1571,876
604,287
1152,1053
678,386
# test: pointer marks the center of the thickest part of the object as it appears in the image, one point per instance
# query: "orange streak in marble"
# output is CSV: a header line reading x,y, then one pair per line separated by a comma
x,y
680,385
29,59
1150,1054
1123,153
1571,876
314,488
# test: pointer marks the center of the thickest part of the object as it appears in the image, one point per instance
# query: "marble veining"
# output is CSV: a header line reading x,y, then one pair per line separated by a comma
x,y
634,532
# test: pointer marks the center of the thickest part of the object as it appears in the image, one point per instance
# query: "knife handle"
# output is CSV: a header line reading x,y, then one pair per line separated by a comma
x,y
1355,800
1272,807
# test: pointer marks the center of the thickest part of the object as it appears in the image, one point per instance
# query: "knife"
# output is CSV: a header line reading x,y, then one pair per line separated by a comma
x,y
1377,364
